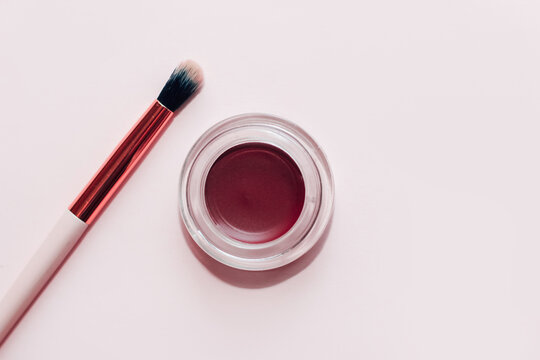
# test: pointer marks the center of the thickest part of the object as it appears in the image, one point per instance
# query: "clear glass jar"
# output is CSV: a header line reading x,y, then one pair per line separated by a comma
x,y
302,149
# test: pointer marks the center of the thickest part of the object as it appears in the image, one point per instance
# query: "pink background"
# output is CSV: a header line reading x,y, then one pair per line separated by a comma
x,y
428,111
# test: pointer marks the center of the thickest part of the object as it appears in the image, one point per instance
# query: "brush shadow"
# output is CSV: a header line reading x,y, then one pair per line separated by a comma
x,y
255,279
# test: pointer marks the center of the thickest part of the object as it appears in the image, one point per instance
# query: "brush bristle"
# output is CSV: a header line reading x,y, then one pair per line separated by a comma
x,y
185,80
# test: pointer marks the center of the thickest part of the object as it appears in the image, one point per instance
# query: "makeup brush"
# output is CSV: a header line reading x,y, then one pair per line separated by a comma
x,y
183,83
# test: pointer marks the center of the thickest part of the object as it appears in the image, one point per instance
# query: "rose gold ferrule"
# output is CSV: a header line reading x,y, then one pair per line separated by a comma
x,y
121,163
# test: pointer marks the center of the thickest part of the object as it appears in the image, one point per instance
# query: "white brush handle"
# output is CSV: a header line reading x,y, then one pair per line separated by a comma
x,y
39,270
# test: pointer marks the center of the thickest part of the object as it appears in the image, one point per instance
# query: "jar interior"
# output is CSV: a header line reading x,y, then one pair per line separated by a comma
x,y
254,192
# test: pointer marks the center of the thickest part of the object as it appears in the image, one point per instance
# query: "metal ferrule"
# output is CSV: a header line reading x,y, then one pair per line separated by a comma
x,y
121,163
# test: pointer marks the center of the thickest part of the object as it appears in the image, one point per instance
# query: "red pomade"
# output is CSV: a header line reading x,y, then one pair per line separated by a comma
x,y
254,192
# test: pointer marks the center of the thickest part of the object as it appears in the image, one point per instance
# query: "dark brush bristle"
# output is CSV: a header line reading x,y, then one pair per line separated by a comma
x,y
185,80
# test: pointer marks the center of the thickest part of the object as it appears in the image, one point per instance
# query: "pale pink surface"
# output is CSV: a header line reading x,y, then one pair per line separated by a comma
x,y
428,112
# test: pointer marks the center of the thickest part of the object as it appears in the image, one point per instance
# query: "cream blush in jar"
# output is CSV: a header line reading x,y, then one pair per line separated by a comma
x,y
256,192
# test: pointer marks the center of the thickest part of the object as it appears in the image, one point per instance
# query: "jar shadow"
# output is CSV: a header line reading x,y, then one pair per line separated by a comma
x,y
255,279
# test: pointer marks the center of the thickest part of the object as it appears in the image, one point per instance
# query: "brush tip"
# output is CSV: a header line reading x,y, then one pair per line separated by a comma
x,y
185,81
193,69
